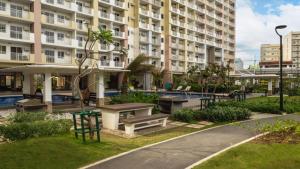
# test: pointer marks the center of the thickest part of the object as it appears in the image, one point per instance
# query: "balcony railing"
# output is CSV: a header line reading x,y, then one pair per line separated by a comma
x,y
111,64
118,34
50,59
85,10
65,5
118,18
19,56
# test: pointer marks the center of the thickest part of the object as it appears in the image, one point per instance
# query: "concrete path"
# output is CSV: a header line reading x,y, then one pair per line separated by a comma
x,y
185,151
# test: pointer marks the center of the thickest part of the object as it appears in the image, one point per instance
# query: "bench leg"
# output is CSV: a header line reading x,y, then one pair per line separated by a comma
x,y
164,123
129,129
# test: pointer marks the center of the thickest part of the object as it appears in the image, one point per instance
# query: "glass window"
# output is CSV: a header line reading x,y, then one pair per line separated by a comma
x,y
61,18
49,37
60,36
49,56
16,53
61,2
2,6
61,54
2,49
16,11
2,28
16,32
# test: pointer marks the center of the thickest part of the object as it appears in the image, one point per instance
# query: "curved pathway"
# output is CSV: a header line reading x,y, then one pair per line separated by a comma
x,y
185,151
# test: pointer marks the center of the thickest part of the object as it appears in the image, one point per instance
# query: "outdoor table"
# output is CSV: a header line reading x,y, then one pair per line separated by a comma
x,y
170,104
111,113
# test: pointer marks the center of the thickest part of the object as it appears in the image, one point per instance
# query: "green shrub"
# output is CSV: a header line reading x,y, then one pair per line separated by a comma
x,y
135,97
225,113
20,117
185,115
18,131
281,126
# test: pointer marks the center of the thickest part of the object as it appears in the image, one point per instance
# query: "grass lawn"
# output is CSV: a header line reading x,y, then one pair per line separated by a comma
x,y
258,156
67,152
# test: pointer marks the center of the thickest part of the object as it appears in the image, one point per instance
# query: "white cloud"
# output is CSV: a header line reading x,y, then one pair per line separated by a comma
x,y
254,29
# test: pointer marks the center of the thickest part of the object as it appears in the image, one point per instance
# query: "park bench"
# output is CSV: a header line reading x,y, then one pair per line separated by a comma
x,y
141,122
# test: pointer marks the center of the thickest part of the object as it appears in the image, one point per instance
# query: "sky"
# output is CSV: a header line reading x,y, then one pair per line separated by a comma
x,y
256,21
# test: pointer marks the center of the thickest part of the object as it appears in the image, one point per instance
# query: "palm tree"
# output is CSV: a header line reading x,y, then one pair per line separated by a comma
x,y
136,67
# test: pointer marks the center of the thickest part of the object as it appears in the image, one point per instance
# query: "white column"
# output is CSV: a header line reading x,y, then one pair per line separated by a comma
x,y
270,87
26,83
277,84
47,95
147,81
100,88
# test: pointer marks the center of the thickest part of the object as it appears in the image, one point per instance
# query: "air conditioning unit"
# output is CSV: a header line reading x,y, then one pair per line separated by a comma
x,y
68,35
26,49
87,4
68,53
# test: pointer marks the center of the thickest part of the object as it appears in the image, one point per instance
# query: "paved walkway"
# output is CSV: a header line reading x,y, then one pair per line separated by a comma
x,y
185,151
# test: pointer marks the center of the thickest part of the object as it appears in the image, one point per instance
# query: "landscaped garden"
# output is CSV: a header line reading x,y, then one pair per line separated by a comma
x,y
280,149
47,152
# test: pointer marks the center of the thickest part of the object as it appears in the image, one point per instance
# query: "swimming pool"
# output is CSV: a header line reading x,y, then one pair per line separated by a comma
x,y
11,100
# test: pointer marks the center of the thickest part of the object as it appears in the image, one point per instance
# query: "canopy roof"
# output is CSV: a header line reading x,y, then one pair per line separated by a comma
x,y
52,68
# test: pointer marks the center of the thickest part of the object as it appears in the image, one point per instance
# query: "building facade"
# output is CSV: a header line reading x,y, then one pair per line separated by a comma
x,y
291,48
173,34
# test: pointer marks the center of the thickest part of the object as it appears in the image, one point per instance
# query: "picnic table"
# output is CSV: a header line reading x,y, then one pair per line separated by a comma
x,y
111,113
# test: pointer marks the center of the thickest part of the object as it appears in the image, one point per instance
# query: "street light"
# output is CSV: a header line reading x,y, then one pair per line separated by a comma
x,y
281,60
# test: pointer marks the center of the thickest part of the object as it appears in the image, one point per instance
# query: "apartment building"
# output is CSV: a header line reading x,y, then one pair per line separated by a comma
x,y
291,48
198,33
173,34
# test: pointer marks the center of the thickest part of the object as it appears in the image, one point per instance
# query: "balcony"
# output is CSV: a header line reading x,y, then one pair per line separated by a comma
x,y
105,47
155,54
53,41
177,68
18,14
118,34
156,2
23,57
144,39
111,64
191,37
85,10
118,18
68,24
104,15
70,6
115,3
82,27
24,36
145,52
155,15
144,25
199,50
144,12
156,28
156,42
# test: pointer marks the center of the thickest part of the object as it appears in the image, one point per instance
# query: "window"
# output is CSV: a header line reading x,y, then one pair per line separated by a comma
x,y
79,6
60,36
2,6
50,17
79,55
16,11
49,56
61,2
16,53
61,18
61,54
2,28
2,49
49,37
80,40
16,32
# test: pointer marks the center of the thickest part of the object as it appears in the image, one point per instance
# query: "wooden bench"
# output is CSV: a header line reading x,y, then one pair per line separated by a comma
x,y
141,122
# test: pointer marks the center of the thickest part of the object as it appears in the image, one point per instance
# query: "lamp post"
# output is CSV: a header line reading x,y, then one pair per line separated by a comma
x,y
281,61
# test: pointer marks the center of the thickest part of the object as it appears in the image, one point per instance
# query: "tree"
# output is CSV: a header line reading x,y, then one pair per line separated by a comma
x,y
136,67
103,37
